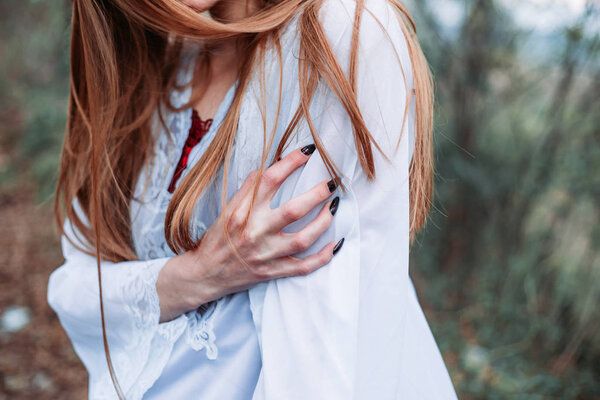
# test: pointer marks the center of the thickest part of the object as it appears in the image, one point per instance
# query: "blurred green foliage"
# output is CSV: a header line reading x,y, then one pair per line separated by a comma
x,y
34,48
509,263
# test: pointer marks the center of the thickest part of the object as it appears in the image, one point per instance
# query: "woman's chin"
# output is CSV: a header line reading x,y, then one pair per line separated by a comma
x,y
200,5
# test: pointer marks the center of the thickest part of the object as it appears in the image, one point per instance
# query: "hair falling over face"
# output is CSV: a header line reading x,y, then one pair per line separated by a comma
x,y
123,63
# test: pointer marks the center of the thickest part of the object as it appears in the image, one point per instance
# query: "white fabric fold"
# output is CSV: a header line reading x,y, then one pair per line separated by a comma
x,y
338,333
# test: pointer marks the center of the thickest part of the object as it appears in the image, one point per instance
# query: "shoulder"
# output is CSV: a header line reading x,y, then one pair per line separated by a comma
x,y
380,28
378,22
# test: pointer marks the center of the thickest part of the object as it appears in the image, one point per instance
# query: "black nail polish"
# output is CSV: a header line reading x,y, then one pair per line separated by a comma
x,y
308,150
334,205
338,246
332,185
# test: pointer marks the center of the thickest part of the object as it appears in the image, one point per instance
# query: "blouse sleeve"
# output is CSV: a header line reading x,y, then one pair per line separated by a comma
x,y
337,332
139,345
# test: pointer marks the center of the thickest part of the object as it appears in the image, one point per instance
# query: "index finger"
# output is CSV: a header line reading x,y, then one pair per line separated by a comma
x,y
274,176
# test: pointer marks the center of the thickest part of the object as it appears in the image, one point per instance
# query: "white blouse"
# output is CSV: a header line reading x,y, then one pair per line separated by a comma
x,y
351,330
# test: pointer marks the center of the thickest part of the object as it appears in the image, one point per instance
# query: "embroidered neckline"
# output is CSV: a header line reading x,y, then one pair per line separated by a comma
x,y
198,129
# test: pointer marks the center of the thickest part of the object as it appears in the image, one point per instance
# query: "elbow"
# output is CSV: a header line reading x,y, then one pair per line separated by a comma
x,y
60,292
70,300
55,289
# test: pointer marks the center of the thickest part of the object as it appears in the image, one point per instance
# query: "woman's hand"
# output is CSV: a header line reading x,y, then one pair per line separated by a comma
x,y
214,269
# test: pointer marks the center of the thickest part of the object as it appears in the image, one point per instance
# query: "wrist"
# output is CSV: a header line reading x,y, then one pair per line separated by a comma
x,y
196,271
178,288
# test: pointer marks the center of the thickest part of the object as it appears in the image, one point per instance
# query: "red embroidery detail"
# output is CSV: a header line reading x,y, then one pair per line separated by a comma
x,y
197,131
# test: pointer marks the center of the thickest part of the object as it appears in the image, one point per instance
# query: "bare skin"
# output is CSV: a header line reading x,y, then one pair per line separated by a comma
x,y
224,54
223,66
213,270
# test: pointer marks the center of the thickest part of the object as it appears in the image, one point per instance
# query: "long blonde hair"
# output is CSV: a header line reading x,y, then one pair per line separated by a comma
x,y
123,63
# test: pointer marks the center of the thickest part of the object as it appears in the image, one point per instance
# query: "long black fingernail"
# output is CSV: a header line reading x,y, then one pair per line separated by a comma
x,y
334,205
308,149
332,185
338,246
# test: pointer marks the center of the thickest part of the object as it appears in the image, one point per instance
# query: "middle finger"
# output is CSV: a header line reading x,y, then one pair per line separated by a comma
x,y
301,205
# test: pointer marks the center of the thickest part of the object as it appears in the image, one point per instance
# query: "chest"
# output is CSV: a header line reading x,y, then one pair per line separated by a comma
x,y
266,109
179,145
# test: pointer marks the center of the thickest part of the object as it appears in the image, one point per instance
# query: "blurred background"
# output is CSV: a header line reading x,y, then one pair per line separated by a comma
x,y
508,267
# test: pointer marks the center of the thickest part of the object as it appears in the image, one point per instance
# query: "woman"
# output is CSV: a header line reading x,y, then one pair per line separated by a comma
x,y
186,276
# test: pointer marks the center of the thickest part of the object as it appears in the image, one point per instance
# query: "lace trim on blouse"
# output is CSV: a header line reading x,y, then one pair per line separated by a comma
x,y
152,198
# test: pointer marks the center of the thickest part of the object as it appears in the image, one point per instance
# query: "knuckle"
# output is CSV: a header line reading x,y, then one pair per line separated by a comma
x,y
235,219
251,178
229,222
300,242
290,212
269,179
303,269
252,259
247,238
295,245
261,273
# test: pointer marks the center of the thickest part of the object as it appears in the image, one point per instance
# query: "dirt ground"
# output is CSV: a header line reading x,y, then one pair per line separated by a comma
x,y
38,361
